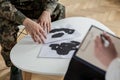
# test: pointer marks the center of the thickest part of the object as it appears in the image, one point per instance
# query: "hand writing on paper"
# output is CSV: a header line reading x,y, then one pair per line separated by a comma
x,y
104,54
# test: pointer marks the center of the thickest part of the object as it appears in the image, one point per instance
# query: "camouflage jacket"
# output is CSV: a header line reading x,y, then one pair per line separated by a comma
x,y
10,12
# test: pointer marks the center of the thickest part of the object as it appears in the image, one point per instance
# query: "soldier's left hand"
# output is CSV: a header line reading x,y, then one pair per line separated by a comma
x,y
45,21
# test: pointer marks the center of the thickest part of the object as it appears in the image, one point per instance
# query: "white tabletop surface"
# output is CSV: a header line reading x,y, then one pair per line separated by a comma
x,y
25,52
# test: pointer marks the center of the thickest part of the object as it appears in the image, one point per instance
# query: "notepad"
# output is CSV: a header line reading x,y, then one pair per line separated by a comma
x,y
86,50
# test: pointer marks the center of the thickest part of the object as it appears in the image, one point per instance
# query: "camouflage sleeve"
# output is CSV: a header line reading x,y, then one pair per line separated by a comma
x,y
8,11
51,5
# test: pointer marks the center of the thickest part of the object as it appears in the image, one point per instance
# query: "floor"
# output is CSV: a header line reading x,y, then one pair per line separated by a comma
x,y
105,11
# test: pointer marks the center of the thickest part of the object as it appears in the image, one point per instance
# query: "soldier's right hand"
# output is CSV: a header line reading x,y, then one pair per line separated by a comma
x,y
35,30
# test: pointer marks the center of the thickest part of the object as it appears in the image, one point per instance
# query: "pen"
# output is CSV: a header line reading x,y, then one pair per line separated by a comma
x,y
105,41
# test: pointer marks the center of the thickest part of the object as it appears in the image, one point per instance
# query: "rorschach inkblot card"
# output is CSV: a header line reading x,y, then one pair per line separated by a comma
x,y
60,43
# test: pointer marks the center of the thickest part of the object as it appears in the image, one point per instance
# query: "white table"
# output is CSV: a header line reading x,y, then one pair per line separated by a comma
x,y
24,54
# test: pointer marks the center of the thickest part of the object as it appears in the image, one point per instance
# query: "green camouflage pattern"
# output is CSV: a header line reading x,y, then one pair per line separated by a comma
x,y
8,38
13,13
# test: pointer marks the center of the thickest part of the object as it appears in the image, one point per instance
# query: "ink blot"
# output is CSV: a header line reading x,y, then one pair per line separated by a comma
x,y
65,48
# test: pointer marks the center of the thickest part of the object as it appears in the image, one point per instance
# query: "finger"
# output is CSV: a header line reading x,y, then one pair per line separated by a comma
x,y
39,39
49,26
34,38
42,25
42,33
99,42
107,37
45,26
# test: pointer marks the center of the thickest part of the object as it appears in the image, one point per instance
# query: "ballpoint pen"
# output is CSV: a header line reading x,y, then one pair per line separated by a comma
x,y
105,41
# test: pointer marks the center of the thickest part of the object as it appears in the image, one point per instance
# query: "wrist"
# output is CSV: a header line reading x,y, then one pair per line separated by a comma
x,y
26,21
111,60
46,12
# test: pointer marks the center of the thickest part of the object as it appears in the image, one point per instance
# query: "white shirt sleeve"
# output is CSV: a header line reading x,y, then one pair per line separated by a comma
x,y
113,71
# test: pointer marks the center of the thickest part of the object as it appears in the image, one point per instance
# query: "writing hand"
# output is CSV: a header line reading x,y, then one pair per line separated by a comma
x,y
104,54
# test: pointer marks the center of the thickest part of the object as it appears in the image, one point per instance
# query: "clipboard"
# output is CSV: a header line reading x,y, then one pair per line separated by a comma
x,y
86,51
84,65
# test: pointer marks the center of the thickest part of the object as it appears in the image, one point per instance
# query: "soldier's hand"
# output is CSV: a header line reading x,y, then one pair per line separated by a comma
x,y
45,21
35,30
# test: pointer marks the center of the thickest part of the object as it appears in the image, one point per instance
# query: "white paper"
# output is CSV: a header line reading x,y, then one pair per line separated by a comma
x,y
65,35
47,52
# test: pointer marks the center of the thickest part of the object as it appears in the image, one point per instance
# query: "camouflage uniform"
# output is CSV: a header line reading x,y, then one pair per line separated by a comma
x,y
13,13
